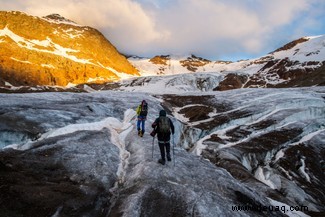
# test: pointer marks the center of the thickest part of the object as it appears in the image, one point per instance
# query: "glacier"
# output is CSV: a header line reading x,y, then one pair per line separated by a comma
x,y
247,152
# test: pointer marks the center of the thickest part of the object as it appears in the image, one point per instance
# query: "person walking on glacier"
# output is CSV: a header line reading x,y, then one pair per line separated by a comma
x,y
142,111
163,127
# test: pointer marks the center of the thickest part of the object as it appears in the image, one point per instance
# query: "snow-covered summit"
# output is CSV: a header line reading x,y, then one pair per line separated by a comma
x,y
298,63
305,49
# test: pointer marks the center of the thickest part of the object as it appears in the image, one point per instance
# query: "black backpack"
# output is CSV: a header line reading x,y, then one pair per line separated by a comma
x,y
144,109
164,125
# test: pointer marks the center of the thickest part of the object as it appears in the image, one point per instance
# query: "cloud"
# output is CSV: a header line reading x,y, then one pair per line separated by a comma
x,y
224,27
213,29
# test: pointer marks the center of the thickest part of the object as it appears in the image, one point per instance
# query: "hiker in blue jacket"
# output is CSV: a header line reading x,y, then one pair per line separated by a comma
x,y
142,111
163,127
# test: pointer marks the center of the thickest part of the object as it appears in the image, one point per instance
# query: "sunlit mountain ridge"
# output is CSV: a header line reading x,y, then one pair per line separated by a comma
x,y
55,51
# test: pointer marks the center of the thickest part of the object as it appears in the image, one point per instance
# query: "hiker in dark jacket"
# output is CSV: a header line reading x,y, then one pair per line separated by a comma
x,y
142,111
163,126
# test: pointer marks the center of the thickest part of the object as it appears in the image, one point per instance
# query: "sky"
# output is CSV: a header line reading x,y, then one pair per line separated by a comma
x,y
213,29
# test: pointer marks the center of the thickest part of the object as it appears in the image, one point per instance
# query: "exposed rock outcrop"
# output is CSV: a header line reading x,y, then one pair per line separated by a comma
x,y
232,81
161,60
193,62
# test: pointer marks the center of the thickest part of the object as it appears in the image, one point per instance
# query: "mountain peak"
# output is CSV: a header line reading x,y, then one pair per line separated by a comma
x,y
298,63
34,51
57,18
291,44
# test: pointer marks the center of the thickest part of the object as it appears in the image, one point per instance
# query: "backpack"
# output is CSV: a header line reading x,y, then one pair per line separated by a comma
x,y
144,109
164,125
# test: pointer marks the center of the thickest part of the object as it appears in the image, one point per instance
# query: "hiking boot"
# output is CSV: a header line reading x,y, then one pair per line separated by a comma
x,y
161,161
139,133
168,158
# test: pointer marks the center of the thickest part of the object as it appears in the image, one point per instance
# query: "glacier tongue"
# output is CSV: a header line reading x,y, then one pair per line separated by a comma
x,y
256,150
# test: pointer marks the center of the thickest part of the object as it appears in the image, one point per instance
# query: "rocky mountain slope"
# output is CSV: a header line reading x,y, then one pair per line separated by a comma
x,y
55,51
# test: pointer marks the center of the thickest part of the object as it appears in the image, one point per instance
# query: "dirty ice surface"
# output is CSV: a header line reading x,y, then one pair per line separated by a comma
x,y
190,184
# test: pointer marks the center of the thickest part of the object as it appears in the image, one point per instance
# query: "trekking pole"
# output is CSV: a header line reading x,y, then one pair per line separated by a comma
x,y
153,141
174,150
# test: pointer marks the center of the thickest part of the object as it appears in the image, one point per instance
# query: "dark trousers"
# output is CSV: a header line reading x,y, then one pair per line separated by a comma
x,y
162,147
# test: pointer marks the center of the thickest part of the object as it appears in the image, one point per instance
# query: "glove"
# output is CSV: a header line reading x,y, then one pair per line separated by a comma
x,y
153,133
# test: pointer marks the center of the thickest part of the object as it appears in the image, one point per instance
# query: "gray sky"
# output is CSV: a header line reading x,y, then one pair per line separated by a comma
x,y
213,29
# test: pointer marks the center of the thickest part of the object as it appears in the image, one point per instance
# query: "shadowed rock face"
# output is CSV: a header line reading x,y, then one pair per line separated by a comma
x,y
55,51
232,81
305,78
290,45
278,69
299,77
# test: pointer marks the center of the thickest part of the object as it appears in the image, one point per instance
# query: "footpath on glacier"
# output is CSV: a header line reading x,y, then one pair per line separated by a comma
x,y
79,155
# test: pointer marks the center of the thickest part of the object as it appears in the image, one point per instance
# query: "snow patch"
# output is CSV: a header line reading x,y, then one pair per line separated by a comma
x,y
302,169
21,61
279,155
48,66
48,46
263,177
